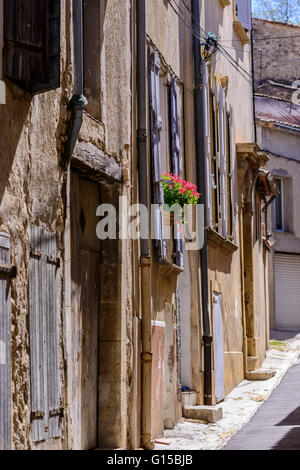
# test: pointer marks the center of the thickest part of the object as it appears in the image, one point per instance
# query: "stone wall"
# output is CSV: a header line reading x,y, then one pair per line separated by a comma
x,y
276,59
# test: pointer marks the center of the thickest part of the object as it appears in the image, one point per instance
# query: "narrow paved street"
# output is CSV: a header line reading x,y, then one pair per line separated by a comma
x,y
276,425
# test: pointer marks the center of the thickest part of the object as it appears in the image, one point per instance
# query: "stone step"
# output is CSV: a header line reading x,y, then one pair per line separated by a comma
x,y
212,414
188,399
260,374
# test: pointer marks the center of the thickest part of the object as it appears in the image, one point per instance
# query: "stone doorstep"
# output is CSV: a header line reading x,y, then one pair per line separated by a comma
x,y
188,399
260,374
212,414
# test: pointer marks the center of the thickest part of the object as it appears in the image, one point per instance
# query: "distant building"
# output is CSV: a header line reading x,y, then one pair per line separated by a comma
x,y
277,104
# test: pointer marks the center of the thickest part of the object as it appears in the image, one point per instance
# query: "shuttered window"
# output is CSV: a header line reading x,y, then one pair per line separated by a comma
x,y
32,44
44,350
155,131
229,176
243,13
175,150
5,353
214,151
220,163
223,175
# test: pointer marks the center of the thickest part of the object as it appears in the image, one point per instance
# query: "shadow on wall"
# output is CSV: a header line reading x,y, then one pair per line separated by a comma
x,y
13,119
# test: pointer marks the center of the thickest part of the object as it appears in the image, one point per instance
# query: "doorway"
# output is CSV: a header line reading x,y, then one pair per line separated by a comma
x,y
85,276
218,347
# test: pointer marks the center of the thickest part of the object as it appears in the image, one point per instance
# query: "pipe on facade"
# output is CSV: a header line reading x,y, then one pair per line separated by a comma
x,y
145,264
253,86
199,104
78,101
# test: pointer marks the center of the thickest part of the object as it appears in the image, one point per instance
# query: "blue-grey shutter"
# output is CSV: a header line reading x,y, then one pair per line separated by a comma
x,y
5,352
155,131
175,149
31,55
243,13
44,352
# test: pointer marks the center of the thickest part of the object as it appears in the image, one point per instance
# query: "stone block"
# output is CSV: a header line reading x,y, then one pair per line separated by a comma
x,y
260,374
188,399
212,414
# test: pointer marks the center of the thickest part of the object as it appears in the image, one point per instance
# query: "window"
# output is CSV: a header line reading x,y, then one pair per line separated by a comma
x,y
220,162
31,56
165,144
93,26
279,207
243,13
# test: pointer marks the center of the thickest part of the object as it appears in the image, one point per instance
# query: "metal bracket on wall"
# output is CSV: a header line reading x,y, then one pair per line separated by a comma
x,y
8,270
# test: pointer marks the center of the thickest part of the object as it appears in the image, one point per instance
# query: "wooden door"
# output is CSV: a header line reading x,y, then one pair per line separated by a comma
x,y
85,310
218,348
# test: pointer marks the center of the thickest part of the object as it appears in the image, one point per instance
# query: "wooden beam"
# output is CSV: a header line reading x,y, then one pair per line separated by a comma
x,y
94,163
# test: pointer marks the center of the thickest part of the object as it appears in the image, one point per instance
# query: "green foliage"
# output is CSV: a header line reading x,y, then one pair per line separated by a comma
x,y
285,11
179,191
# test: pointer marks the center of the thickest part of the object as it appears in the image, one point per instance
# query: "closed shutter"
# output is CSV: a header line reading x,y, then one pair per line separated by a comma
x,y
287,292
155,131
175,149
229,175
44,354
5,352
223,175
243,13
32,44
214,141
208,165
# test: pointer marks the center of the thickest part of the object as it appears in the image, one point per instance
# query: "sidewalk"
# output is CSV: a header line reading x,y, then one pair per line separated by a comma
x,y
239,406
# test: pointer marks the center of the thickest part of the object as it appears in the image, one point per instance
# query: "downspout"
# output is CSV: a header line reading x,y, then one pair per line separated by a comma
x,y
253,86
199,103
75,106
78,101
145,258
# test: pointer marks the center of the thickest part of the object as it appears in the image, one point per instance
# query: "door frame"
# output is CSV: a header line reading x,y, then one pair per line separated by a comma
x,y
216,288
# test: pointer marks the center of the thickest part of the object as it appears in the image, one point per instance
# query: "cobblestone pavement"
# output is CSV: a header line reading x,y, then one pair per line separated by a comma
x,y
276,425
238,428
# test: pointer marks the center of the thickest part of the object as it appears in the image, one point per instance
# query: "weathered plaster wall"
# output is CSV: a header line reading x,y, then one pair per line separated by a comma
x,y
31,192
174,41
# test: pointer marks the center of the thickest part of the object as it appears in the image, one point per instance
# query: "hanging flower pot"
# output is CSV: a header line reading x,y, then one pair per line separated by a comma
x,y
178,192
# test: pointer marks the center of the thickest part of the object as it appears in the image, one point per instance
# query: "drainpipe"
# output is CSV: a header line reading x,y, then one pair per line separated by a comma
x,y
78,101
199,103
253,86
145,262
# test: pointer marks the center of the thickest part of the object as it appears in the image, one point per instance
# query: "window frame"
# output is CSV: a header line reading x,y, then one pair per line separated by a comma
x,y
220,172
281,195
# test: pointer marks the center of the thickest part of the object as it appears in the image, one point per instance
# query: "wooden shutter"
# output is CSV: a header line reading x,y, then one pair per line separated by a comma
x,y
175,149
44,354
208,166
223,175
32,44
155,130
5,352
229,176
243,13
213,152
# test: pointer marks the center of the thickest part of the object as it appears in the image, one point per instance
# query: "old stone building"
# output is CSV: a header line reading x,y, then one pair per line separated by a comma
x,y
62,350
277,72
105,343
235,330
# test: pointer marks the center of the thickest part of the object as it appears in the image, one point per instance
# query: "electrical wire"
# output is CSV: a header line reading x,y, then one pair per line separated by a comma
x,y
265,38
245,74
